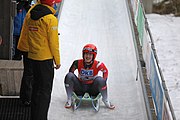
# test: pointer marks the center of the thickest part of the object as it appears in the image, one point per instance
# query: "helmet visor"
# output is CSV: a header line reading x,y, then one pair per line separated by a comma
x,y
86,50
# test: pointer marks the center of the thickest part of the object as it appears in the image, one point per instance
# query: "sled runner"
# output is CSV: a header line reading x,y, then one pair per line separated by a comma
x,y
77,100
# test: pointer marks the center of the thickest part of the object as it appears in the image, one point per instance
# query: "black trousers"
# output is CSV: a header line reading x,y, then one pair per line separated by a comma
x,y
72,84
27,79
43,72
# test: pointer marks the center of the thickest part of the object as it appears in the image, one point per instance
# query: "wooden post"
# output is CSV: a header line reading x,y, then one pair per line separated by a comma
x,y
148,4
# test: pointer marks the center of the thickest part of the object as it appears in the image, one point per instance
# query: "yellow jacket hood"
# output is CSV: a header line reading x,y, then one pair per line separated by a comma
x,y
41,10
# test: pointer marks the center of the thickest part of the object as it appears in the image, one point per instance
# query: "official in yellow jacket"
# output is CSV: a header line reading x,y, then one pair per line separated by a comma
x,y
39,37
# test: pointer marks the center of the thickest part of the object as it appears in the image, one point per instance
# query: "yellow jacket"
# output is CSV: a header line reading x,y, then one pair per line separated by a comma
x,y
39,35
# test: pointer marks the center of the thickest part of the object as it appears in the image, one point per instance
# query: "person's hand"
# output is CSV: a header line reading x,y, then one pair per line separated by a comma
x,y
57,66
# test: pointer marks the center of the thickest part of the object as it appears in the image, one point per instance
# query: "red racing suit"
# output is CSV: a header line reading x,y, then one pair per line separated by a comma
x,y
87,73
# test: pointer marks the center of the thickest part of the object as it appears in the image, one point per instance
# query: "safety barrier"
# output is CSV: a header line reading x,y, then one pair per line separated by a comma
x,y
160,96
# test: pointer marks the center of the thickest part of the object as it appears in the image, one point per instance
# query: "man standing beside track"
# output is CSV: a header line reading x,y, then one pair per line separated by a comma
x,y
40,31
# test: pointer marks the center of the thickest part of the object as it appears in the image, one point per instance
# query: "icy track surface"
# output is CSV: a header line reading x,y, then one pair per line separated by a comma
x,y
104,23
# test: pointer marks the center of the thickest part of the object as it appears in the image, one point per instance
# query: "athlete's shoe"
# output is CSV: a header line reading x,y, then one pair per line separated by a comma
x,y
108,104
68,104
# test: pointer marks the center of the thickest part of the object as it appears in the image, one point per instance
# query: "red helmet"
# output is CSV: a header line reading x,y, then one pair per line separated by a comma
x,y
90,48
50,2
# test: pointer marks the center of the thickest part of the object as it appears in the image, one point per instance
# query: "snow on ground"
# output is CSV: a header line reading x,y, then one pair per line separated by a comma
x,y
165,32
